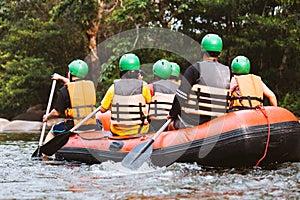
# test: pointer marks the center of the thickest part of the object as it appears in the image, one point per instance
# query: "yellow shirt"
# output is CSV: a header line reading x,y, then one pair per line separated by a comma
x,y
125,130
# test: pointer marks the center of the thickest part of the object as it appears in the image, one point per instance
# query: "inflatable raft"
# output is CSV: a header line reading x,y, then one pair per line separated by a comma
x,y
238,139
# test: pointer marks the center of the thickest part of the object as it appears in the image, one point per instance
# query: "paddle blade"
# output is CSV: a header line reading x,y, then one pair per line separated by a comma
x,y
138,155
37,153
55,143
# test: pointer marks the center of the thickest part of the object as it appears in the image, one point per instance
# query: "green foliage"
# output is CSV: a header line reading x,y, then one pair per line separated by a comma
x,y
21,84
291,102
31,49
38,38
82,13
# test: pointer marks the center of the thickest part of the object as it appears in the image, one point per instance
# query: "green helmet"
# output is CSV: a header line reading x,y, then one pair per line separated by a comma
x,y
129,62
162,68
175,69
78,68
240,65
212,42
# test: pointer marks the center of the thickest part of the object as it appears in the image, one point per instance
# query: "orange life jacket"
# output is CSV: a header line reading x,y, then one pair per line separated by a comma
x,y
249,93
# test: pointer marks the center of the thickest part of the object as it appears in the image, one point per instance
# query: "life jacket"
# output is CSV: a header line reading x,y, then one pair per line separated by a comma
x,y
83,101
209,96
210,101
128,105
161,102
249,93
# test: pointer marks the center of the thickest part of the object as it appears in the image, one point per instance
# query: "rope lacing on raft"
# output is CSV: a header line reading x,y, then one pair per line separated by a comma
x,y
263,111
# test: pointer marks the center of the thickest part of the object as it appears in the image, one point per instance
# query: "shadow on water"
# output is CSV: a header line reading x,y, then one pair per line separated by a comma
x,y
23,178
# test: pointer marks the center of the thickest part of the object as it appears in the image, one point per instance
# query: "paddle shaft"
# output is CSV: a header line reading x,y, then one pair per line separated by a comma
x,y
85,119
53,145
161,129
47,112
140,153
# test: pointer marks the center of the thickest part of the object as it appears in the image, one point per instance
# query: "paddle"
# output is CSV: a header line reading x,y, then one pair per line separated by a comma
x,y
37,152
60,140
142,152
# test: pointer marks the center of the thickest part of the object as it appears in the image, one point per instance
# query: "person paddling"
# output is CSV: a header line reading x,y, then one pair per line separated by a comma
x,y
204,89
76,99
247,90
127,98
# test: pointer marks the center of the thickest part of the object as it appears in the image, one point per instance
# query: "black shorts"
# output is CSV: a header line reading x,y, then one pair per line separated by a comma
x,y
63,126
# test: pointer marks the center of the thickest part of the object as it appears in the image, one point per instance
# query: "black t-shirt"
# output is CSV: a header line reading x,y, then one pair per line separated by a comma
x,y
63,100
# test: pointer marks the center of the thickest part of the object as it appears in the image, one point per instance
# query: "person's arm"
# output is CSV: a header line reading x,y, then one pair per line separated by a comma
x,y
270,95
59,77
60,106
107,100
146,93
188,80
233,85
151,88
54,113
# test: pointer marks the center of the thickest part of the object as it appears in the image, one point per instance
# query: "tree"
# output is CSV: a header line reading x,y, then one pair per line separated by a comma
x,y
89,16
38,38
31,49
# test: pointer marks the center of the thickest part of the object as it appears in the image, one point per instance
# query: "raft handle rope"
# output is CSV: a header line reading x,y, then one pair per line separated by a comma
x,y
262,109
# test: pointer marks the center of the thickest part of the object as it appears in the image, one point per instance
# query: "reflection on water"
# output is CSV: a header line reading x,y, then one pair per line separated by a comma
x,y
22,178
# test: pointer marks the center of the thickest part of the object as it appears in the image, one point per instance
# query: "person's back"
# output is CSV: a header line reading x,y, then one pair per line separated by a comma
x,y
204,87
207,98
76,99
128,108
162,91
247,90
127,99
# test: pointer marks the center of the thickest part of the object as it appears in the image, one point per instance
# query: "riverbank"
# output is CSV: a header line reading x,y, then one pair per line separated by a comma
x,y
24,126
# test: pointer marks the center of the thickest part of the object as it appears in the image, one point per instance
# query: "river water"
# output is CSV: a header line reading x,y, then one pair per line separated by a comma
x,y
23,178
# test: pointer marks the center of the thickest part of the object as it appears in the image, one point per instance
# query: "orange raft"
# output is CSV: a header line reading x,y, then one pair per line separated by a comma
x,y
242,138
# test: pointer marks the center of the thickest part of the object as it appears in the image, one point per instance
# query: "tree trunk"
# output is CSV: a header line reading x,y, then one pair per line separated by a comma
x,y
93,58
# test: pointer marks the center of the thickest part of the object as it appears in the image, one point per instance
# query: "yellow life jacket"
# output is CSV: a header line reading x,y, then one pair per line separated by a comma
x,y
161,103
83,101
249,93
207,100
128,109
